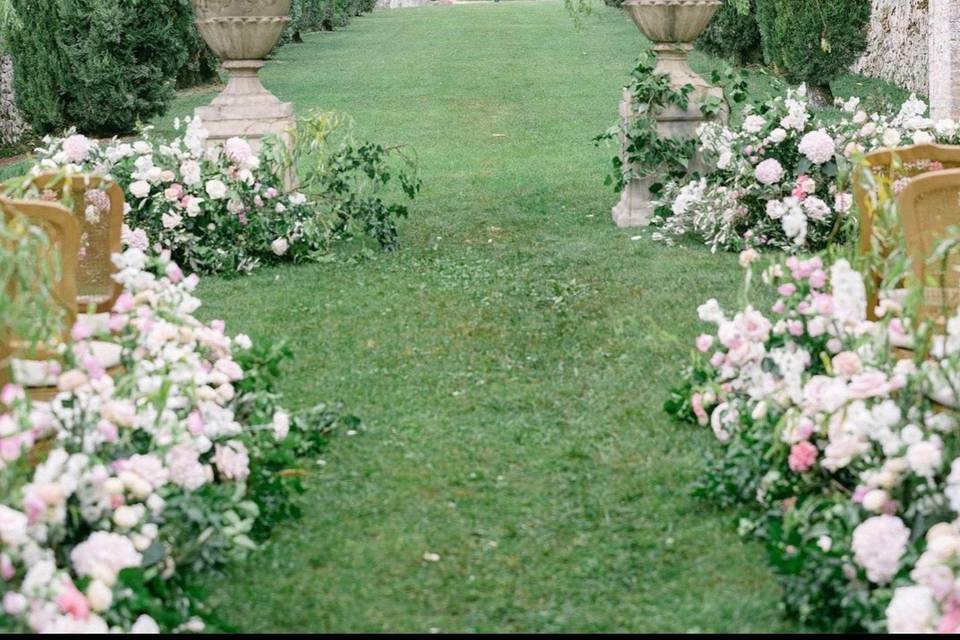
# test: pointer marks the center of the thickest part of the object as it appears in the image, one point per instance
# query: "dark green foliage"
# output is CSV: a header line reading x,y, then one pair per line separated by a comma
x,y
323,15
733,34
813,41
201,64
99,65
34,46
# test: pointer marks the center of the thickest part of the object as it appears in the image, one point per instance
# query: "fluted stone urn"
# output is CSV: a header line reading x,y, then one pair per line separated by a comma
x,y
242,33
672,26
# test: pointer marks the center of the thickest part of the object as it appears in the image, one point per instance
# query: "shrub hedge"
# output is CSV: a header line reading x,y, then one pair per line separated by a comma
x,y
733,33
99,65
813,41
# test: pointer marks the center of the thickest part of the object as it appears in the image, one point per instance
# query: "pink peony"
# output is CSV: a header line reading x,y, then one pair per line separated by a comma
x,y
76,148
802,457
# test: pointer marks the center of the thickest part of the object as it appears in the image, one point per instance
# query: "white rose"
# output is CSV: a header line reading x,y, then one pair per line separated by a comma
x,y
875,500
99,595
171,220
145,624
891,138
778,135
280,246
216,189
140,189
126,517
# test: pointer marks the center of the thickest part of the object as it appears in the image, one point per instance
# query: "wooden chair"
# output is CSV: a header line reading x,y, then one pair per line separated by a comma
x,y
100,235
898,165
31,365
905,162
929,206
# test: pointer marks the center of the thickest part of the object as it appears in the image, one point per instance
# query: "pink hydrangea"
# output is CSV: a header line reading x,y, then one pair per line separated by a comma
x,y
878,546
817,146
104,555
183,464
232,460
76,148
769,171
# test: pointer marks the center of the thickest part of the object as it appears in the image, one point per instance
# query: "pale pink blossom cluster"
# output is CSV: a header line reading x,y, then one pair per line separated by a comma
x,y
177,394
849,413
757,195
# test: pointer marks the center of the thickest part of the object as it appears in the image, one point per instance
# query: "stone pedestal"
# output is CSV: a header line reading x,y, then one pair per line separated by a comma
x,y
635,206
245,108
672,25
242,33
944,64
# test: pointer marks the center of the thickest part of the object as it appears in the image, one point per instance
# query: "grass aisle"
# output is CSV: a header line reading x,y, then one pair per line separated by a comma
x,y
510,360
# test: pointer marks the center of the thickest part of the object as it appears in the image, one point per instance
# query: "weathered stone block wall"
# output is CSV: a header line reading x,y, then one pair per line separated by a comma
x,y
12,126
898,48
944,58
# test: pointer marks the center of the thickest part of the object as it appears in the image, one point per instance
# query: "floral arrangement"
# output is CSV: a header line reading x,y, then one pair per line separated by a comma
x,y
227,209
844,452
129,483
781,180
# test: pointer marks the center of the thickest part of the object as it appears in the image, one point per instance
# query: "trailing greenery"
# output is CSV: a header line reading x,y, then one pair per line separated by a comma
x,y
99,65
347,179
642,150
29,310
813,41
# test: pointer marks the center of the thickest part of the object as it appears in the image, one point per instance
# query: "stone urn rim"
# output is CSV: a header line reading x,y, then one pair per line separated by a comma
x,y
242,29
672,21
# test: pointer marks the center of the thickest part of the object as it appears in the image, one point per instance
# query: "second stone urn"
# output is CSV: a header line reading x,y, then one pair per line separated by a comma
x,y
242,33
672,26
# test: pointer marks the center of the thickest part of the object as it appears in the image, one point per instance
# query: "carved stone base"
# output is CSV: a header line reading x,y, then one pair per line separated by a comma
x,y
635,207
245,108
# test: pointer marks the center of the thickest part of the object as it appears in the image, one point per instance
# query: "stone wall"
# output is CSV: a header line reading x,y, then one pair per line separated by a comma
x,y
12,126
897,48
944,59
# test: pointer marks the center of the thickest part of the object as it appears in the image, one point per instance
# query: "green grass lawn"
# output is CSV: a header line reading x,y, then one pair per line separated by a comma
x,y
510,360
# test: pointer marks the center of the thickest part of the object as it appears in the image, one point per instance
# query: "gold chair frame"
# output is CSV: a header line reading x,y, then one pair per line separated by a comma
x,y
78,186
929,206
64,232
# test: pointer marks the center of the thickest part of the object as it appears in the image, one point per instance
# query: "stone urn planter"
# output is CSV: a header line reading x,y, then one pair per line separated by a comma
x,y
242,33
672,26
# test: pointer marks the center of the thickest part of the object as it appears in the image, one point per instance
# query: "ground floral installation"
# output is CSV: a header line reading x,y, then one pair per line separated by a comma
x,y
123,489
848,469
225,209
781,180
216,209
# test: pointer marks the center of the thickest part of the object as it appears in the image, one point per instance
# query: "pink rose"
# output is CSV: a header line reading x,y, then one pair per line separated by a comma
x,y
787,289
846,364
72,602
869,384
802,457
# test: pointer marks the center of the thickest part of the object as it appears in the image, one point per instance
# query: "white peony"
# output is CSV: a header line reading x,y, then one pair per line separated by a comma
x,y
280,246
140,188
878,546
912,610
216,189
